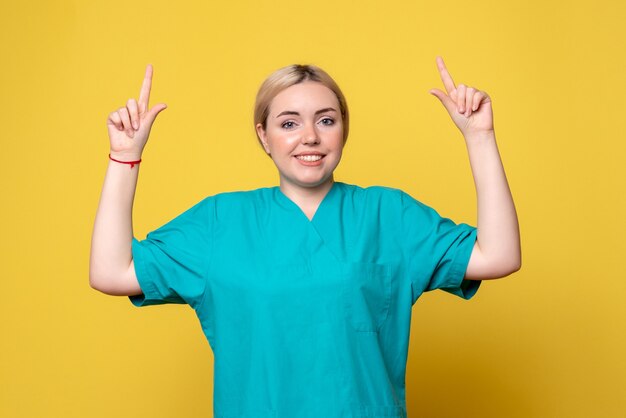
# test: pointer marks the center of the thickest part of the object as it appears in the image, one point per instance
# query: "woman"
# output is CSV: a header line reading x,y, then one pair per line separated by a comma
x,y
304,291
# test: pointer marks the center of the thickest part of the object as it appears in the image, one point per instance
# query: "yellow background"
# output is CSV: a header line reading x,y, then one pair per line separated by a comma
x,y
548,341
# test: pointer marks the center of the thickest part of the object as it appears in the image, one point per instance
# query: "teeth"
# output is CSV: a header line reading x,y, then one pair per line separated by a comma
x,y
309,157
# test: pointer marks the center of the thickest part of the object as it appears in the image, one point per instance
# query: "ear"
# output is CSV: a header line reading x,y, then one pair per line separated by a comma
x,y
263,137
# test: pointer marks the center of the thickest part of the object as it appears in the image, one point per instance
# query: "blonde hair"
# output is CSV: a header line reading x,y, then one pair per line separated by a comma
x,y
288,76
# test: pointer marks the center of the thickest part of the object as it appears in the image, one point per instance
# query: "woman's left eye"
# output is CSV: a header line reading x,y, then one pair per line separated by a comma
x,y
327,121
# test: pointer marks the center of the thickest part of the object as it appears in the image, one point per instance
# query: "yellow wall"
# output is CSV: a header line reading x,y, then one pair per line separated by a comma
x,y
548,341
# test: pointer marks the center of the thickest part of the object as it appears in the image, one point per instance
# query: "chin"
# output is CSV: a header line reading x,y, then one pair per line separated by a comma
x,y
311,182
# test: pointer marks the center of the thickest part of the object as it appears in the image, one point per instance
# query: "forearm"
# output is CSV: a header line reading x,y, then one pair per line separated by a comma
x,y
111,253
498,237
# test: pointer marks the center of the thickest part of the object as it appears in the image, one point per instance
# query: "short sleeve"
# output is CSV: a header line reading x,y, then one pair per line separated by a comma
x,y
171,263
438,250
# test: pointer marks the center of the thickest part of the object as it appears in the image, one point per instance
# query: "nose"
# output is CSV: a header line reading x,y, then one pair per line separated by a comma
x,y
310,136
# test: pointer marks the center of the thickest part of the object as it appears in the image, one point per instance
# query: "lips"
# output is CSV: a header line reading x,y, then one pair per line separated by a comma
x,y
309,153
309,157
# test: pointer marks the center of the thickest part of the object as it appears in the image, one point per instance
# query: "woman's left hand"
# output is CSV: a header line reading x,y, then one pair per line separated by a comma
x,y
469,108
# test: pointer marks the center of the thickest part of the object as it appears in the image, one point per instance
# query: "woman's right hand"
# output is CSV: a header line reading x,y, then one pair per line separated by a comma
x,y
129,126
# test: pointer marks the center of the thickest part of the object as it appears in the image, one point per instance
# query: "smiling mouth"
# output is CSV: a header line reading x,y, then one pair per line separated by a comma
x,y
310,157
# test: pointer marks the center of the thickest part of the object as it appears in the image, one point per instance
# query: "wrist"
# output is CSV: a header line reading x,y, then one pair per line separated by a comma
x,y
125,155
480,137
132,163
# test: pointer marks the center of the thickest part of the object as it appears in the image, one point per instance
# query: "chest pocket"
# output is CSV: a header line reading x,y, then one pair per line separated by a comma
x,y
367,295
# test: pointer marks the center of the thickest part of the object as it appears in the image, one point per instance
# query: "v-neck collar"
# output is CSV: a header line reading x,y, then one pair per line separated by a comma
x,y
287,203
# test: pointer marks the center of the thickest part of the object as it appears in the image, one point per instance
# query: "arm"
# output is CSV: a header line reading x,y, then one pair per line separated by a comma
x,y
111,267
497,251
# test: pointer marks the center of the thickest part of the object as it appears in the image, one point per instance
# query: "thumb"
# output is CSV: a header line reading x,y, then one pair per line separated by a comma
x,y
156,109
447,102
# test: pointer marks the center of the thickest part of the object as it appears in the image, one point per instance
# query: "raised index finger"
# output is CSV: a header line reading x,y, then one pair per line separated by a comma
x,y
445,76
144,94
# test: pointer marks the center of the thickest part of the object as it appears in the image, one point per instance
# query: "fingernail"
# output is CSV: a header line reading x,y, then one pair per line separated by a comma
x,y
135,125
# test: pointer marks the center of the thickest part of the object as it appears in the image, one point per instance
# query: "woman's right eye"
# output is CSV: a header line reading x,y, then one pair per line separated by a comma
x,y
287,125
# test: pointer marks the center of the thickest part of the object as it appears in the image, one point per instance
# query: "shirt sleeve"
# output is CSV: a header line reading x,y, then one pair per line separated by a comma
x,y
438,250
171,263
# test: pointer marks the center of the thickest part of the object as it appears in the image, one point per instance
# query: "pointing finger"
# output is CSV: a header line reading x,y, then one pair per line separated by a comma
x,y
144,94
445,76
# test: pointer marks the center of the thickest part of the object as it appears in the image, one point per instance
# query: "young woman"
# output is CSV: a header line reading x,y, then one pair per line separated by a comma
x,y
304,290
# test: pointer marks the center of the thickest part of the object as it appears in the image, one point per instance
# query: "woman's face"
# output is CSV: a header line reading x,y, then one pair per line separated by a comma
x,y
304,134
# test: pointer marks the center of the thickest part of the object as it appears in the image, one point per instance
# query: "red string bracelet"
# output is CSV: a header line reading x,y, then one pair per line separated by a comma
x,y
132,163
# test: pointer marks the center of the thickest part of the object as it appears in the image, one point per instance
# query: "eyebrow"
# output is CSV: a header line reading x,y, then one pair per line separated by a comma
x,y
293,112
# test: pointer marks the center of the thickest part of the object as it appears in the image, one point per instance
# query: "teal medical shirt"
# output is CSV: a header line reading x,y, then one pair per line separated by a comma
x,y
306,318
